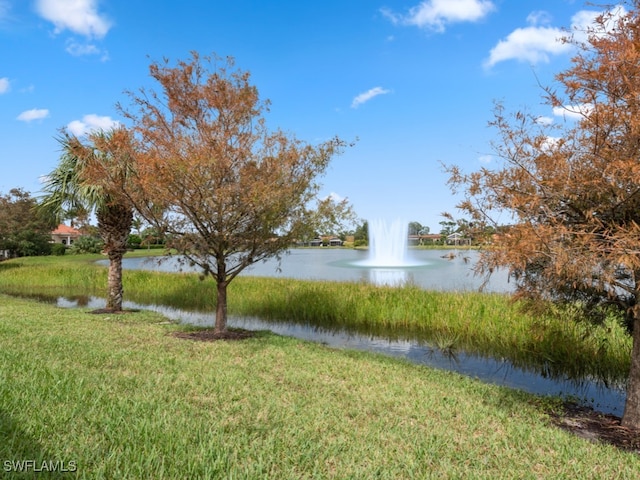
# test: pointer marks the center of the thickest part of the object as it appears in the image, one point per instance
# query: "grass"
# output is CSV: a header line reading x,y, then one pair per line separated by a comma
x,y
489,325
121,398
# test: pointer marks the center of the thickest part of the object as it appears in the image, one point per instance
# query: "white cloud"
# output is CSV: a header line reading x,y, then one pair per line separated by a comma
x,y
537,43
90,123
437,14
485,159
78,16
368,95
575,112
582,21
335,197
4,85
33,114
545,121
539,17
550,143
78,49
532,44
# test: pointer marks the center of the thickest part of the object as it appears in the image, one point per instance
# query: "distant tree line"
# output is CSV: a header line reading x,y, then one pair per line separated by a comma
x,y
23,230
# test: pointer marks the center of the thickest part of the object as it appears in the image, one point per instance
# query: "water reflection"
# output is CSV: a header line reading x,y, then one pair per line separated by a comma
x,y
496,371
390,277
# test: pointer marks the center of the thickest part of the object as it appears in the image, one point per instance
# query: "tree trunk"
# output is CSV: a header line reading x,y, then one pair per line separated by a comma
x,y
114,282
221,308
631,417
114,225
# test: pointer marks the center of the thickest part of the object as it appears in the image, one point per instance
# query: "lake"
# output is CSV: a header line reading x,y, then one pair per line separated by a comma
x,y
448,270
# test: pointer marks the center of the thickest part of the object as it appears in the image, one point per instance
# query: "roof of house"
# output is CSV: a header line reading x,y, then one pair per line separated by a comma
x,y
63,229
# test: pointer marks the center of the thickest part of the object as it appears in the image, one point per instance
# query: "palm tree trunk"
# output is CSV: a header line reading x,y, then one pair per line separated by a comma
x,y
114,282
114,225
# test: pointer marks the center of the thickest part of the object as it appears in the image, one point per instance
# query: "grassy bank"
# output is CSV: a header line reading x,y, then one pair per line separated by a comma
x,y
120,398
485,324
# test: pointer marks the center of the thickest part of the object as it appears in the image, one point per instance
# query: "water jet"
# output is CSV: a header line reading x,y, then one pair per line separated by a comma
x,y
389,257
388,245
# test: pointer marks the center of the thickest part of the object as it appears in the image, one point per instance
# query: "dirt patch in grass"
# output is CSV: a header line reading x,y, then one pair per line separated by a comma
x,y
592,425
109,311
210,335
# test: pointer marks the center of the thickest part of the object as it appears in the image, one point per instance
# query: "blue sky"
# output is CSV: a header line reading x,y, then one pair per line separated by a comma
x,y
414,82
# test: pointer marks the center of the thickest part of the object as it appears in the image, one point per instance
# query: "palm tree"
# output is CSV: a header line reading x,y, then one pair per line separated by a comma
x,y
91,175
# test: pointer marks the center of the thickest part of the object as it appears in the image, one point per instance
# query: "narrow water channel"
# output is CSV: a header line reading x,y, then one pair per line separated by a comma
x,y
499,372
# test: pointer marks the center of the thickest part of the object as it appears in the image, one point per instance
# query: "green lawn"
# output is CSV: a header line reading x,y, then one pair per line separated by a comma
x,y
121,398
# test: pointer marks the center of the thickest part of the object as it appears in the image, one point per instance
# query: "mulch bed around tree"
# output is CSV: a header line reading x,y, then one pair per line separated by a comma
x,y
587,423
209,335
108,311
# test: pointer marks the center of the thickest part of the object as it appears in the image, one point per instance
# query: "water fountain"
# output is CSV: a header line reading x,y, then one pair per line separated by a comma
x,y
388,244
388,253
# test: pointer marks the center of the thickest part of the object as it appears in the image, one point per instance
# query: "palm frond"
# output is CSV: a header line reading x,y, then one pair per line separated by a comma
x,y
65,187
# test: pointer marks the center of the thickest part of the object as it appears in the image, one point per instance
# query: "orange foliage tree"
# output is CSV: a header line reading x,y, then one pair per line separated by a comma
x,y
226,191
573,189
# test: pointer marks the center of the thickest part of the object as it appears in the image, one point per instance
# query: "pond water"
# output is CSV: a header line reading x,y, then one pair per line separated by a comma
x,y
429,269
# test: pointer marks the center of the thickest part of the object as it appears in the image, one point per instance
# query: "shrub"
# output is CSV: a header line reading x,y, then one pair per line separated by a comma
x,y
86,245
58,249
134,241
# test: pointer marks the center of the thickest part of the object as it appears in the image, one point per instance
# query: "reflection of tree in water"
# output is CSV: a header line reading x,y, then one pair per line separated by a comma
x,y
39,297
61,299
79,300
